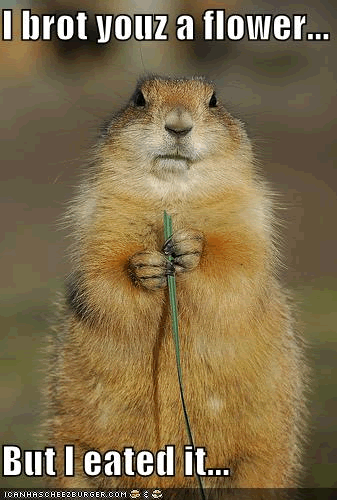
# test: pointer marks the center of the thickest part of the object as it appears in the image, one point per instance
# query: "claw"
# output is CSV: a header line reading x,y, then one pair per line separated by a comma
x,y
168,247
170,268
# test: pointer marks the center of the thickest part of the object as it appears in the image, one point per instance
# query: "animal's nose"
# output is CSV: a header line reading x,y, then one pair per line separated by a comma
x,y
176,131
178,122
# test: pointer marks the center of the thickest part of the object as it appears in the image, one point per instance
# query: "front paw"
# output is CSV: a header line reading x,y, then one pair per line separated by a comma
x,y
150,269
185,246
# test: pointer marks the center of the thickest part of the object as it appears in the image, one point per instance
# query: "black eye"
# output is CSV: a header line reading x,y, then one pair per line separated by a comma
x,y
213,101
140,99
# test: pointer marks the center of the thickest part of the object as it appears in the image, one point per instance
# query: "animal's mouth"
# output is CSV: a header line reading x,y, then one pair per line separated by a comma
x,y
174,163
177,157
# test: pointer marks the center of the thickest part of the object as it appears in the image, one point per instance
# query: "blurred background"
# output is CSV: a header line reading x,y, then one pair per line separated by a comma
x,y
54,95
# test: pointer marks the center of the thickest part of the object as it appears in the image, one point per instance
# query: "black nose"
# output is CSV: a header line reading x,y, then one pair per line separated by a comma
x,y
177,131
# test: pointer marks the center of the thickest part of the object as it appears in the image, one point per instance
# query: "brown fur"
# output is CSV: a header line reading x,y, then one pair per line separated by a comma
x,y
113,379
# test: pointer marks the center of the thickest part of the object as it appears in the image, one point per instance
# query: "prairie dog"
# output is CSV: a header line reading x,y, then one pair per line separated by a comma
x,y
113,381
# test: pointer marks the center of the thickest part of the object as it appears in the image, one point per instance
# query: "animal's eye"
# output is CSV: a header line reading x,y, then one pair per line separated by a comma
x,y
140,99
213,101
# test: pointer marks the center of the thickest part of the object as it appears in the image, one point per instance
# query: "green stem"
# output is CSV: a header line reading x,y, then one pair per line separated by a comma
x,y
171,281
